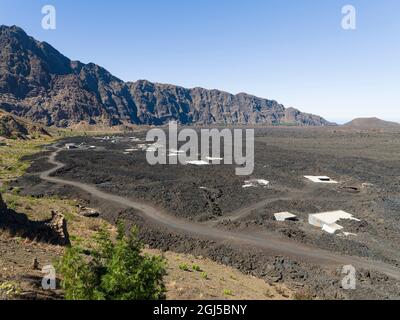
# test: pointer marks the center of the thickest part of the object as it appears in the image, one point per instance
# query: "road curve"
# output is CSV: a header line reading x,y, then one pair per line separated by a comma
x,y
268,242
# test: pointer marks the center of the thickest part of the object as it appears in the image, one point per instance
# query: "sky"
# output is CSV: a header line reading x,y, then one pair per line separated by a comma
x,y
292,51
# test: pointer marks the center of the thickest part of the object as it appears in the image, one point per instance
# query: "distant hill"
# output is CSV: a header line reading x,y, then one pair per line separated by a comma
x,y
39,83
372,124
12,127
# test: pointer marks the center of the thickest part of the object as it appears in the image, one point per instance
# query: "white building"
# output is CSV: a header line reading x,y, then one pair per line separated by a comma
x,y
284,216
327,220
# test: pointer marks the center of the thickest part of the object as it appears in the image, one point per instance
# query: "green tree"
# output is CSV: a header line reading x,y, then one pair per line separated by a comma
x,y
114,270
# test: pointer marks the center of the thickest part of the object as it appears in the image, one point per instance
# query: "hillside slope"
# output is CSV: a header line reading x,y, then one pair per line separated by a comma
x,y
372,124
12,127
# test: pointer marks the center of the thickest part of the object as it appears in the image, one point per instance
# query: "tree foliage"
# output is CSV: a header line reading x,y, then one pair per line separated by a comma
x,y
114,270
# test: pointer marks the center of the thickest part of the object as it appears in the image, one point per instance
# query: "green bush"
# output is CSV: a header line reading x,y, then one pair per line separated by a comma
x,y
112,271
197,268
228,292
184,267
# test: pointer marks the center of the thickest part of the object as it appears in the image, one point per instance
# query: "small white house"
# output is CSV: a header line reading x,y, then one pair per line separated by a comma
x,y
327,220
284,216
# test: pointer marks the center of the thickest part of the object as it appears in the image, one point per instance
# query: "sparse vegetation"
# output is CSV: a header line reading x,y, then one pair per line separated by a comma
x,y
196,268
184,267
11,165
112,270
9,289
11,203
40,208
228,292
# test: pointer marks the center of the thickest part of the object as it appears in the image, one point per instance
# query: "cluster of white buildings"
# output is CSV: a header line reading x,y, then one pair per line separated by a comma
x,y
327,221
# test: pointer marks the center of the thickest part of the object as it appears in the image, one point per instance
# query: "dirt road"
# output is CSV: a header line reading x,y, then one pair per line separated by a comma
x,y
272,244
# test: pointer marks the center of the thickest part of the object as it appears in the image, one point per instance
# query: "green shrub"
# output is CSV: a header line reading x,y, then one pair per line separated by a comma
x,y
184,267
10,289
112,271
16,191
12,203
197,268
228,292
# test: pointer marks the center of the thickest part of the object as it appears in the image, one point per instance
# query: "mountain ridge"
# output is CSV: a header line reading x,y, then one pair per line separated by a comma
x,y
39,83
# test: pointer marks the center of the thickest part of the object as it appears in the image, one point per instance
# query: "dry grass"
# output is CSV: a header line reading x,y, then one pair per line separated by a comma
x,y
206,280
11,166
201,278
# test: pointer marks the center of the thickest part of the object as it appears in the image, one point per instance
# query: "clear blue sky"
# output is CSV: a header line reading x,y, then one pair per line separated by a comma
x,y
294,51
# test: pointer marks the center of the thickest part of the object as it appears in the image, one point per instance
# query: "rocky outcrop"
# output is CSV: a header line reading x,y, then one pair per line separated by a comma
x,y
38,82
13,128
56,231
88,212
53,231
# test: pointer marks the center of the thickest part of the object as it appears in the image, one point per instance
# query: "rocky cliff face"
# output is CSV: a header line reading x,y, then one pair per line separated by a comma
x,y
38,82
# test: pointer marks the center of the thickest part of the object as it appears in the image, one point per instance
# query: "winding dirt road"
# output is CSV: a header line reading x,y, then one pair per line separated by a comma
x,y
272,244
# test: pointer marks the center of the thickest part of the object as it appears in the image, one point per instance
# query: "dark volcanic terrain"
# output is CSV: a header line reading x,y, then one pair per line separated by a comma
x,y
365,164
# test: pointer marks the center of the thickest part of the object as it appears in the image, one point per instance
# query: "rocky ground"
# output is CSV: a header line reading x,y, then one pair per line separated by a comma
x,y
34,230
188,277
364,163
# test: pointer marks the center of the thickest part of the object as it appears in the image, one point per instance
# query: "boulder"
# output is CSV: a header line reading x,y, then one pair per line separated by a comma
x,y
58,226
89,213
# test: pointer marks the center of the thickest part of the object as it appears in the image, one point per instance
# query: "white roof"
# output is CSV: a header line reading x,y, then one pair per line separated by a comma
x,y
333,216
283,216
327,220
320,179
